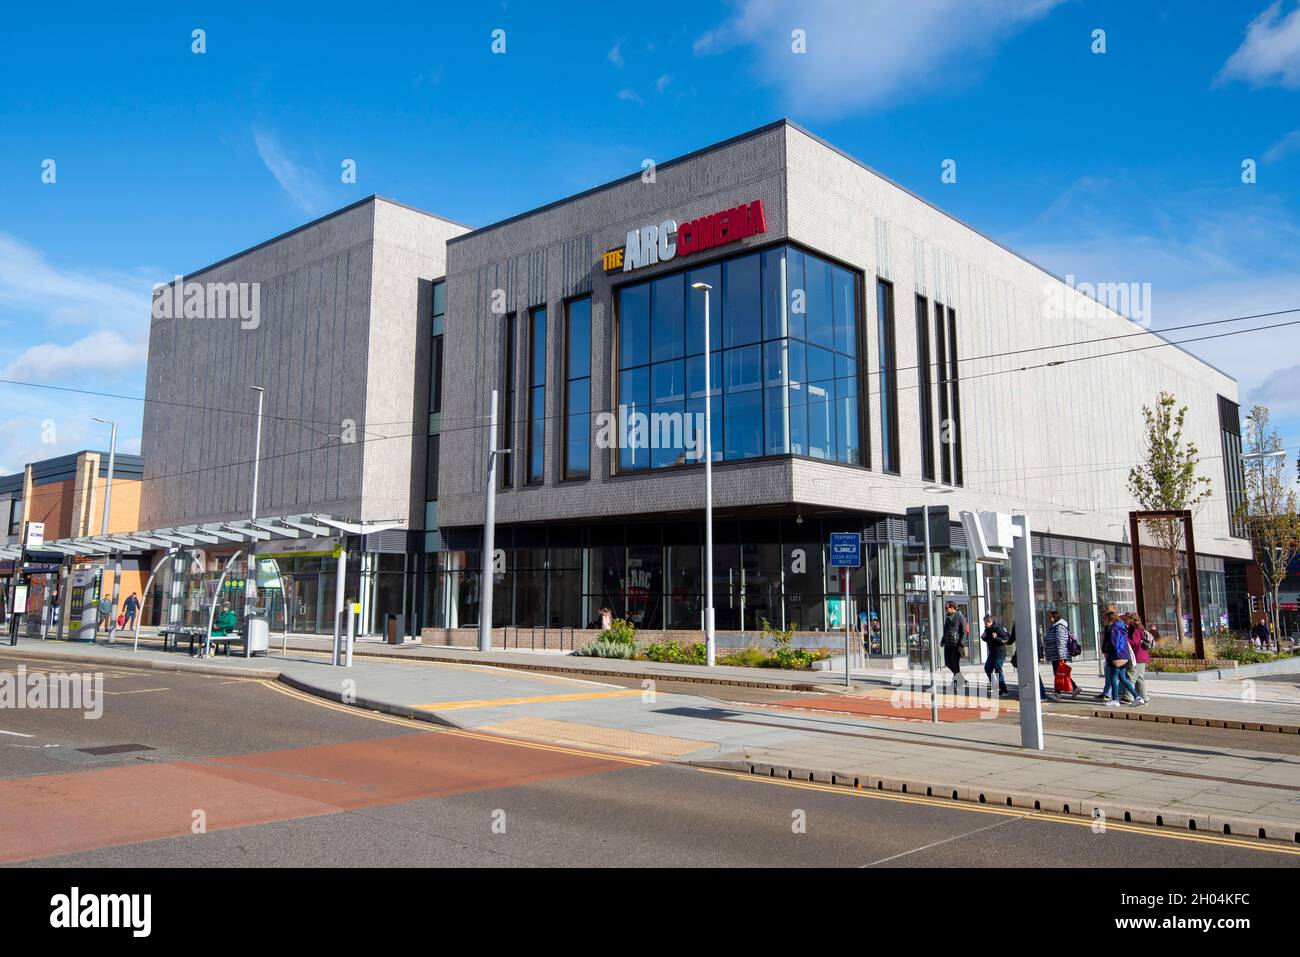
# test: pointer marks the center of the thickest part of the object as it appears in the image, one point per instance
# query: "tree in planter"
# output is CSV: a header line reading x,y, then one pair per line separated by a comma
x,y
1166,481
1268,507
779,637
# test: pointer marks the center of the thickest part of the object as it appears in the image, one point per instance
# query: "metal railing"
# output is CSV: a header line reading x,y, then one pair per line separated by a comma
x,y
534,638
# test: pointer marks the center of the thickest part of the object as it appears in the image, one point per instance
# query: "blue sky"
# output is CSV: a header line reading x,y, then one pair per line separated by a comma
x,y
1124,166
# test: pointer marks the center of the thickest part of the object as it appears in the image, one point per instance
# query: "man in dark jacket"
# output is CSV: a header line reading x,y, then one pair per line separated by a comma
x,y
995,639
955,632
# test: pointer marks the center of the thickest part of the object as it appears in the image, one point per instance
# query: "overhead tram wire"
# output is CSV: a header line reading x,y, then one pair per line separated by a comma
x,y
520,421
993,355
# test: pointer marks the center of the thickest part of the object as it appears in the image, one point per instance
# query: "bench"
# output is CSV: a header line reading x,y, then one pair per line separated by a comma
x,y
173,636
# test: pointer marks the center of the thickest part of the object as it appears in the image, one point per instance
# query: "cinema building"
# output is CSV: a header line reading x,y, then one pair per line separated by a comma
x,y
867,353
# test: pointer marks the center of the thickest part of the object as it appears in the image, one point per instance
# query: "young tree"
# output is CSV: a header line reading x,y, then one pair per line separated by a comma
x,y
1166,481
1268,507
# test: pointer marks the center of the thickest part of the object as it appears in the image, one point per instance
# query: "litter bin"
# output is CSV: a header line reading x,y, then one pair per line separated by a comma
x,y
394,628
257,634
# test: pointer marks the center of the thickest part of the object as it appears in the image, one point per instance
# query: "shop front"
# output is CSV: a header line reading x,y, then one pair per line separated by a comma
x,y
561,576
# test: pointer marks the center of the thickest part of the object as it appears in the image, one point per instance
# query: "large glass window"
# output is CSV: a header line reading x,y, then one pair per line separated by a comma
x,y
577,389
941,376
506,415
1233,468
888,375
784,364
438,325
953,385
923,387
537,394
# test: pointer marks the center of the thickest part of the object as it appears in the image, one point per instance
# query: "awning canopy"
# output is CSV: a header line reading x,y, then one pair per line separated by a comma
x,y
278,528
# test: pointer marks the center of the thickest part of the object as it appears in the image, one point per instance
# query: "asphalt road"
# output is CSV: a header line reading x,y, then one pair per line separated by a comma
x,y
277,779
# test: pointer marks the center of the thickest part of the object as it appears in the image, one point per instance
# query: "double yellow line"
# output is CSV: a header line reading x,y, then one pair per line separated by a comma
x,y
1047,817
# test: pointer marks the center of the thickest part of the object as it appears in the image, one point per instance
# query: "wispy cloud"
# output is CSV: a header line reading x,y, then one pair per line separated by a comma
x,y
1270,54
30,282
1208,255
295,181
1283,148
856,61
615,55
629,96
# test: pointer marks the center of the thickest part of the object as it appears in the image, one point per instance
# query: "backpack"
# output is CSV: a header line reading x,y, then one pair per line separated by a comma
x,y
1072,647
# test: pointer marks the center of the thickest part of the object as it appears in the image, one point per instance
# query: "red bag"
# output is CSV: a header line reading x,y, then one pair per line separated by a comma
x,y
1064,683
121,621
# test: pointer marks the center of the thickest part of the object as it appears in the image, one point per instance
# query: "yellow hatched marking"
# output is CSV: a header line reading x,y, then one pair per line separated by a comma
x,y
442,729
533,699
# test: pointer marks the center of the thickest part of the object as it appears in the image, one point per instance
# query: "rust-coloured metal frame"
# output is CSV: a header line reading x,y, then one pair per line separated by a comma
x,y
1135,520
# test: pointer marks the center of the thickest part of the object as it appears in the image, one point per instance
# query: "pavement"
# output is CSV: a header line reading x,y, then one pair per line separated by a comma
x,y
1203,778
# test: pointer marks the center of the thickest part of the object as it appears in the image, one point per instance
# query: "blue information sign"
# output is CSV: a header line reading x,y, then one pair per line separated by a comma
x,y
846,550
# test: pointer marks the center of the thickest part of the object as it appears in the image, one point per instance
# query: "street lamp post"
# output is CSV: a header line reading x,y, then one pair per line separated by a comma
x,y
489,531
103,530
710,646
251,577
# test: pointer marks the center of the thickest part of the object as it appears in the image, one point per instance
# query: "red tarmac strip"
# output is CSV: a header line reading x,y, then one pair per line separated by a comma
x,y
881,708
45,815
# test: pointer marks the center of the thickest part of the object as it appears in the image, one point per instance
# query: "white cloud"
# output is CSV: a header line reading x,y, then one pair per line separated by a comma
x,y
38,431
292,178
1270,54
30,282
661,84
860,58
629,96
1279,389
615,55
100,355
1209,255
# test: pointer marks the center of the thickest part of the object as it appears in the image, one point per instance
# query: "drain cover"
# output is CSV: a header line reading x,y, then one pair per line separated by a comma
x,y
115,748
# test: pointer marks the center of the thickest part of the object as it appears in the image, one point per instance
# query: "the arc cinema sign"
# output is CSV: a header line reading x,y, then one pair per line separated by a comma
x,y
653,244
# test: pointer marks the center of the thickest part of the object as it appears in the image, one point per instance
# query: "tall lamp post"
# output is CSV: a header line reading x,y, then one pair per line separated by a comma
x,y
251,578
709,643
489,530
103,530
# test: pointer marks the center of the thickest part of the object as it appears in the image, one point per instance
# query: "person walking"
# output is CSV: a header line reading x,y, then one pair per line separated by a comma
x,y
129,609
995,639
1259,634
1115,647
955,632
1056,645
1140,642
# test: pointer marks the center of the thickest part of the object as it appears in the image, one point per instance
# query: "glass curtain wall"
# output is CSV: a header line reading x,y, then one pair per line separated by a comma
x,y
784,362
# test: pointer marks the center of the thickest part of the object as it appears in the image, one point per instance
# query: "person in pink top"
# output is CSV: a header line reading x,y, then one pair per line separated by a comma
x,y
1141,642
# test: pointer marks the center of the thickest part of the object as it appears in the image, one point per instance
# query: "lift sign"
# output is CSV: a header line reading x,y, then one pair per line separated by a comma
x,y
652,244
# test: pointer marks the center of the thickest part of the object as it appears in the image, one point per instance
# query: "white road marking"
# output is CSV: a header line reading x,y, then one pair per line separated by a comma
x,y
17,734
955,837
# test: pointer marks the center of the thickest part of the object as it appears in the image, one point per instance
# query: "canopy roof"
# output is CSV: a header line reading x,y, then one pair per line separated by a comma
x,y
277,528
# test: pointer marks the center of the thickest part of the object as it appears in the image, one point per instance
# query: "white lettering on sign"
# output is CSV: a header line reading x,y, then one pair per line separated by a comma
x,y
952,584
650,244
